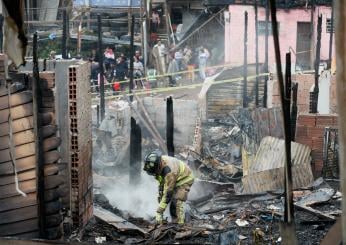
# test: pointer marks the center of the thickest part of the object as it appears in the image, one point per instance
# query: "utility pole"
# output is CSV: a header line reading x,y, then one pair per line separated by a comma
x,y
245,104
314,94
170,127
100,54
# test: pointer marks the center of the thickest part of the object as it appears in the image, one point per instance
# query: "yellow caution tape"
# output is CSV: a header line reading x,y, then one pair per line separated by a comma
x,y
167,74
168,89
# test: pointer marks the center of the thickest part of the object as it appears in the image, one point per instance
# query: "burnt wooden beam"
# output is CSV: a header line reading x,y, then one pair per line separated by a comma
x,y
100,56
266,54
257,65
64,35
288,227
132,54
245,99
170,127
135,153
294,110
314,94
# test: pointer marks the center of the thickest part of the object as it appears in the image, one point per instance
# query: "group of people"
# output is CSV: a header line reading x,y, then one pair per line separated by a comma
x,y
173,62
116,69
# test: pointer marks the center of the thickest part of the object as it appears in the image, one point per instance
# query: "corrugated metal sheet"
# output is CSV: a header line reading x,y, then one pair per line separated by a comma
x,y
108,3
267,171
225,97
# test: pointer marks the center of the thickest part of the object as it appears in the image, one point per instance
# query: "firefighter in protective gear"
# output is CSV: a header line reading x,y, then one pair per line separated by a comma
x,y
175,180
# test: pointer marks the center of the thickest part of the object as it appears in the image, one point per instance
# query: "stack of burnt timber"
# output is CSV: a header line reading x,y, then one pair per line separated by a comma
x,y
19,202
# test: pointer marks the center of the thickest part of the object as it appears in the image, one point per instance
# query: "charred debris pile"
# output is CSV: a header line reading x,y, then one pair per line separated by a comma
x,y
225,205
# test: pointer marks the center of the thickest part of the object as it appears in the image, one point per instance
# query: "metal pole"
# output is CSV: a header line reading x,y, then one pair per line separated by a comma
x,y
331,36
245,61
314,95
39,151
64,35
257,68
132,54
266,52
102,82
170,127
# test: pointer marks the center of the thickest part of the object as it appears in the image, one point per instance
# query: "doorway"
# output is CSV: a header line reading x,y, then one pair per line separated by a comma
x,y
303,50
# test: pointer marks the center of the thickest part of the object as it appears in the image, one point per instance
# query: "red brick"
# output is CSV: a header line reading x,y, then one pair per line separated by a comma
x,y
315,132
325,120
317,143
307,120
302,131
304,141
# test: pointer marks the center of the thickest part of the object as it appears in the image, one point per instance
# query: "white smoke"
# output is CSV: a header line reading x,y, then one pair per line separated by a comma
x,y
139,200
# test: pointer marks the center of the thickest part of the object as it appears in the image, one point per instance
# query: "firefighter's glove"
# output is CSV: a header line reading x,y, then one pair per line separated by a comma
x,y
159,218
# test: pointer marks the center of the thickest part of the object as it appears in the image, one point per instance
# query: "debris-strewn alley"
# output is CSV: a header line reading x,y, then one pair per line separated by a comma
x,y
172,122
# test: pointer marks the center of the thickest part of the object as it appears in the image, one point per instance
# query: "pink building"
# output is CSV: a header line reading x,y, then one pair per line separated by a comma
x,y
295,30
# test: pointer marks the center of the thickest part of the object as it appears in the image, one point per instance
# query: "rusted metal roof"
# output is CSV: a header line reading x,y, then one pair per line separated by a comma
x,y
267,171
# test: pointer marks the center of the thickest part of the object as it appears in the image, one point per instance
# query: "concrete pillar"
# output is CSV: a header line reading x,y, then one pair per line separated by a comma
x,y
341,92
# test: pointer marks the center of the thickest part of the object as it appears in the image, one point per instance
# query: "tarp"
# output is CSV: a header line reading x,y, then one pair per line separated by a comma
x,y
108,3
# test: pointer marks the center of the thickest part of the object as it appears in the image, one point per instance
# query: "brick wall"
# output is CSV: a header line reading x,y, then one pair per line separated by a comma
x,y
310,132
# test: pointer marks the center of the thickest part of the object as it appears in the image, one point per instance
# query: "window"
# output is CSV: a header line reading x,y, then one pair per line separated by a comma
x,y
329,25
262,28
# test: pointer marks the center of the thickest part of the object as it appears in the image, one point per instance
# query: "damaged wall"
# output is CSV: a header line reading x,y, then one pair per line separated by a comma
x,y
327,96
185,115
310,132
19,213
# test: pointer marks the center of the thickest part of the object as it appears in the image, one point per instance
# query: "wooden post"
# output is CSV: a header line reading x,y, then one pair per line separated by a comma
x,y
245,62
288,227
294,111
257,68
135,153
314,94
1,32
64,35
331,36
167,23
340,12
100,54
39,152
132,54
170,127
266,57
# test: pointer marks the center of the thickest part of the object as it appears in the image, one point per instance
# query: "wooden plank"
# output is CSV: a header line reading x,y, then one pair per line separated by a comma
x,y
14,89
29,186
18,215
27,163
116,221
50,169
16,112
19,227
18,202
314,212
27,150
16,99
